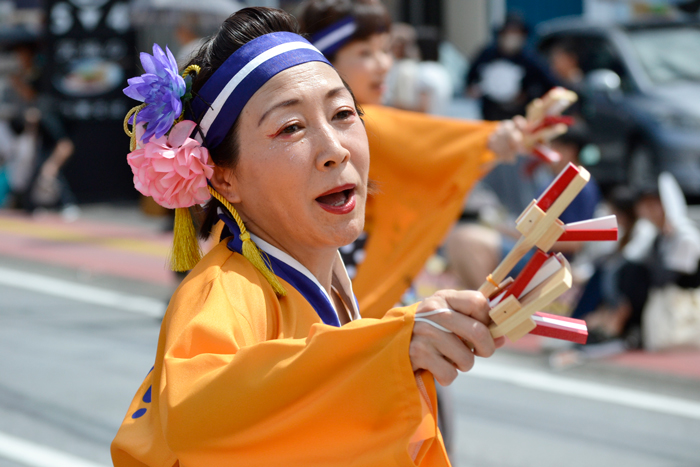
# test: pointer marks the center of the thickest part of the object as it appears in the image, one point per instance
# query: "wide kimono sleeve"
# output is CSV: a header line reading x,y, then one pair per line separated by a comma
x,y
233,384
424,167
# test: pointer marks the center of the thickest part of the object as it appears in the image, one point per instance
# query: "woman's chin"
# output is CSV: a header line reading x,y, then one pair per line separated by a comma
x,y
347,233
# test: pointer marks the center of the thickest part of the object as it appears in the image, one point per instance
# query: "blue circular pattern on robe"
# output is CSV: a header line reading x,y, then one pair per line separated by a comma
x,y
139,413
147,396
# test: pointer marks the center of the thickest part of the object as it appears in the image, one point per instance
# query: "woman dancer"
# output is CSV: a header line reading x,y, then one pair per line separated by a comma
x,y
262,359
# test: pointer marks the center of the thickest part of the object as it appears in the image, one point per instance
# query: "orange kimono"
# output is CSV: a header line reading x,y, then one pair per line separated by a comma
x,y
245,378
424,167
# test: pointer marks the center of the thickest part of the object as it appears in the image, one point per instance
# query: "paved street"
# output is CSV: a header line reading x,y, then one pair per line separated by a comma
x,y
506,424
76,343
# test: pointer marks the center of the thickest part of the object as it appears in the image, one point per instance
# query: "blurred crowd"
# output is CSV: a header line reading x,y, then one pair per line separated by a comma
x,y
643,290
36,145
639,292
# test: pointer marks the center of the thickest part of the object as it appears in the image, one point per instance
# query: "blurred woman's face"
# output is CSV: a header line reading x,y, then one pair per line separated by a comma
x,y
301,179
364,65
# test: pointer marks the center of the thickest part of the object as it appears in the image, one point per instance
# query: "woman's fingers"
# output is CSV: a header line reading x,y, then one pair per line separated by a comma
x,y
439,352
467,302
425,356
520,122
455,350
475,333
547,134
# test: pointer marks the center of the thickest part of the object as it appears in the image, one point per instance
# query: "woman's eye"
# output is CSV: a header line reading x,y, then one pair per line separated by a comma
x,y
344,114
288,130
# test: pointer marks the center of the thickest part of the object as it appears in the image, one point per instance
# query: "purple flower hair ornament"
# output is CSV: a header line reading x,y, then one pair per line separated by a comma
x,y
161,88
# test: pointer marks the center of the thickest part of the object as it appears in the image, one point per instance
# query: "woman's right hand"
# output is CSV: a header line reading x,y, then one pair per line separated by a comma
x,y
443,353
507,140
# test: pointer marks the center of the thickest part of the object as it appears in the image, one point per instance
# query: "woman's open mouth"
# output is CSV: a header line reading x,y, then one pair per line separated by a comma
x,y
339,200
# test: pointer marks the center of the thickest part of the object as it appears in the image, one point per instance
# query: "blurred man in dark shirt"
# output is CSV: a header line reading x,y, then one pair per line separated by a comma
x,y
506,76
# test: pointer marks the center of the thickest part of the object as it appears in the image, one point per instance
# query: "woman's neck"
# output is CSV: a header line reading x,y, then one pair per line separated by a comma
x,y
319,262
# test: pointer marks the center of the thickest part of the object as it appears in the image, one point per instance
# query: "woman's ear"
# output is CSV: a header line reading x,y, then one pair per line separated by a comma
x,y
224,181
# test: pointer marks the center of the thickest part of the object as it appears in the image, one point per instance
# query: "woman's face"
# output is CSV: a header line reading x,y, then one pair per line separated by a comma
x,y
301,179
364,65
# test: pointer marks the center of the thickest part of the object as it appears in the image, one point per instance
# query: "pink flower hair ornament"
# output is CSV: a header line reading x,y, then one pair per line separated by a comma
x,y
172,169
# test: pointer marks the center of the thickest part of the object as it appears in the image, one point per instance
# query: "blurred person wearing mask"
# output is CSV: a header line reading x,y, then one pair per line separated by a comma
x,y
506,76
42,147
423,166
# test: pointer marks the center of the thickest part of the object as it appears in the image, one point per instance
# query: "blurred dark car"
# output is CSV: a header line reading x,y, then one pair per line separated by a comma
x,y
640,96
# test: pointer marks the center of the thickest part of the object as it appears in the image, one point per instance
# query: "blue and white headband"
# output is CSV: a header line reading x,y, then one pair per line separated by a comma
x,y
329,40
222,98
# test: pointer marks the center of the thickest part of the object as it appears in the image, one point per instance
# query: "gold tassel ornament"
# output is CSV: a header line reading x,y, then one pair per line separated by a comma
x,y
250,250
186,251
132,133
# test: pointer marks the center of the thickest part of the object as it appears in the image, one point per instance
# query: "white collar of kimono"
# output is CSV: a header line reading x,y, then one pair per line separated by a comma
x,y
338,270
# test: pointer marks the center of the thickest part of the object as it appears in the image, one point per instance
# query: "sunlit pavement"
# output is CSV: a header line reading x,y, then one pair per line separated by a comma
x,y
134,248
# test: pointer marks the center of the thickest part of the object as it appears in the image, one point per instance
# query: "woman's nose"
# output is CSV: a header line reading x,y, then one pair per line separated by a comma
x,y
383,60
332,152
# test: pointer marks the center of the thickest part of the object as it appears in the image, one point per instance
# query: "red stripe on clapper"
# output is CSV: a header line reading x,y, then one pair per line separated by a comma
x,y
590,235
557,187
556,327
546,154
528,272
